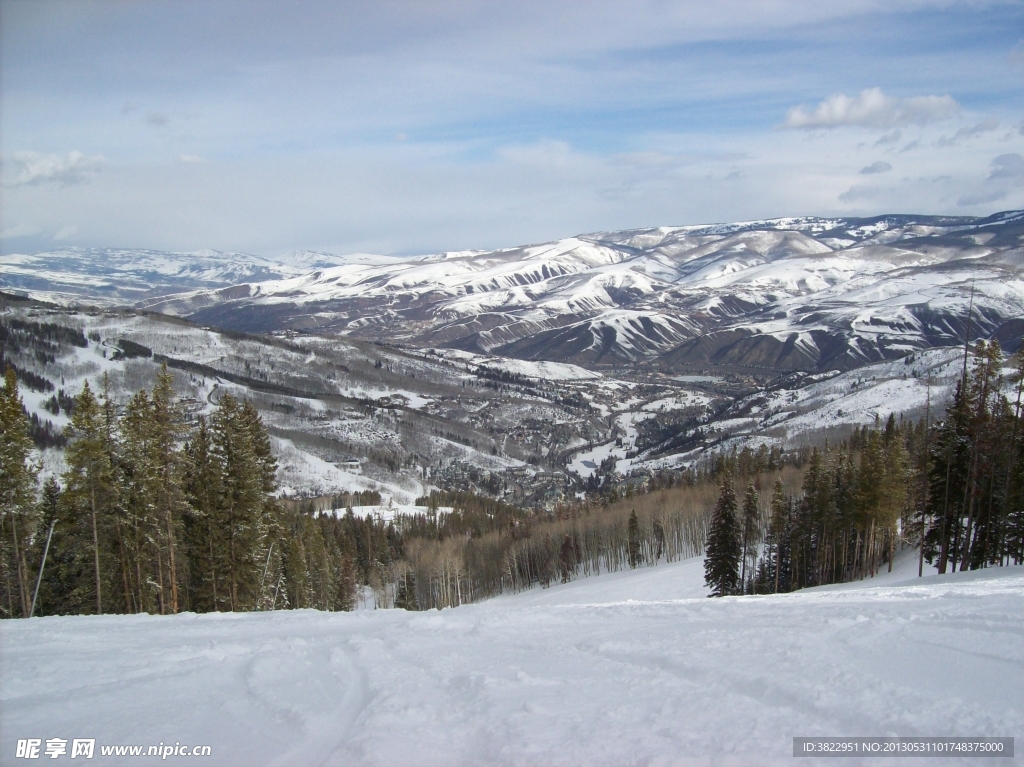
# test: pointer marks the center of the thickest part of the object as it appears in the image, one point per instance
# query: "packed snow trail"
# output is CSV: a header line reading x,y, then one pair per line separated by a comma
x,y
628,668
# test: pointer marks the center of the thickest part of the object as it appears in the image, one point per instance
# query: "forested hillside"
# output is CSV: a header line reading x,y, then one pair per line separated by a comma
x,y
954,489
160,513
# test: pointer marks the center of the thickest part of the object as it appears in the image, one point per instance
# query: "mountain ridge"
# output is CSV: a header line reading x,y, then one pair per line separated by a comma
x,y
798,293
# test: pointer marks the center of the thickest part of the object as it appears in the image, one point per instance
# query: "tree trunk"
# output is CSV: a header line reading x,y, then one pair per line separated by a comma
x,y
160,579
965,557
174,572
96,549
20,567
944,537
124,571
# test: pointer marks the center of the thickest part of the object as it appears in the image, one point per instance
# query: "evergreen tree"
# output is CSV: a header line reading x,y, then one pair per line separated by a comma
x,y
49,514
778,536
243,511
154,501
204,538
346,596
168,468
722,558
90,493
17,496
138,528
1013,548
812,522
750,527
894,480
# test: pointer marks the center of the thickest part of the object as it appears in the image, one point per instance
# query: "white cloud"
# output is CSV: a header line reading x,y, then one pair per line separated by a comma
x,y
451,195
191,159
1017,54
858,192
982,198
889,138
876,167
984,126
38,168
18,230
66,233
872,109
1008,166
1007,171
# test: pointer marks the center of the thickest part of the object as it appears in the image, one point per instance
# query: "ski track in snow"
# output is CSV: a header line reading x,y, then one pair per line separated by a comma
x,y
625,668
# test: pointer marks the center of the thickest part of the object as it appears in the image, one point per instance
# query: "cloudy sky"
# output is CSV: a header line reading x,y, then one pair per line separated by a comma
x,y
419,126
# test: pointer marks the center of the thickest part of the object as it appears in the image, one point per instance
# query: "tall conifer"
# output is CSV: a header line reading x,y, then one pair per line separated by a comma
x,y
722,559
17,493
750,527
89,484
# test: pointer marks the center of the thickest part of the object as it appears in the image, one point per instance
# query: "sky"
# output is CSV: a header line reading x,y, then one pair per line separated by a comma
x,y
418,126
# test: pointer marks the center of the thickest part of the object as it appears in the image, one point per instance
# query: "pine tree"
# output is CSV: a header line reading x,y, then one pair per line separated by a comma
x,y
722,559
205,538
49,514
894,497
138,530
347,583
811,522
778,536
90,492
149,533
168,466
750,525
1014,481
17,495
244,512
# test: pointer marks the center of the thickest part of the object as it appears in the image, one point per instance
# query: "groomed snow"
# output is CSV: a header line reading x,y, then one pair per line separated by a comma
x,y
628,668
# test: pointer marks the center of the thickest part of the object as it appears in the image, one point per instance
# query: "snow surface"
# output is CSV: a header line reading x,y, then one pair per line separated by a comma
x,y
540,369
628,668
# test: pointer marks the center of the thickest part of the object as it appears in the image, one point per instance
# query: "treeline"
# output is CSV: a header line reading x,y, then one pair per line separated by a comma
x,y
40,336
154,516
953,489
42,339
486,548
336,501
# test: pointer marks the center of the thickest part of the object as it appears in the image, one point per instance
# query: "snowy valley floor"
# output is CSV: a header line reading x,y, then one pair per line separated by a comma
x,y
622,669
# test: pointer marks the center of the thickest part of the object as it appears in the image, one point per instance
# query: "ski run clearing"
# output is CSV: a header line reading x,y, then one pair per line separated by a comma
x,y
630,668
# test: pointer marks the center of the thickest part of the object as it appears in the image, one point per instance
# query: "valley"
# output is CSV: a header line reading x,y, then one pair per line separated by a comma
x,y
540,374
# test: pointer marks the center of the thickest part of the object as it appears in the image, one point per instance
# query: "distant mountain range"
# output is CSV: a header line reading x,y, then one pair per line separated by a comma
x,y
779,295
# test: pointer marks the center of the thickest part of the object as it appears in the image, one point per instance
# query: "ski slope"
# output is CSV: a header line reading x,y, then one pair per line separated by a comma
x,y
627,668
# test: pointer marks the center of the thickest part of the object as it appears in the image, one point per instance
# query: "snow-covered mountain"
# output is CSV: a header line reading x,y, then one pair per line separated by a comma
x,y
779,295
122,276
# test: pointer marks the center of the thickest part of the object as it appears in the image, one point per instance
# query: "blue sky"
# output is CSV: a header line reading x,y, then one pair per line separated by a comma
x,y
415,126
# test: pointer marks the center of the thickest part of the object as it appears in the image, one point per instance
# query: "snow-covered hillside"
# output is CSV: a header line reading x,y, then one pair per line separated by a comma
x,y
787,294
348,416
113,277
780,295
630,668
